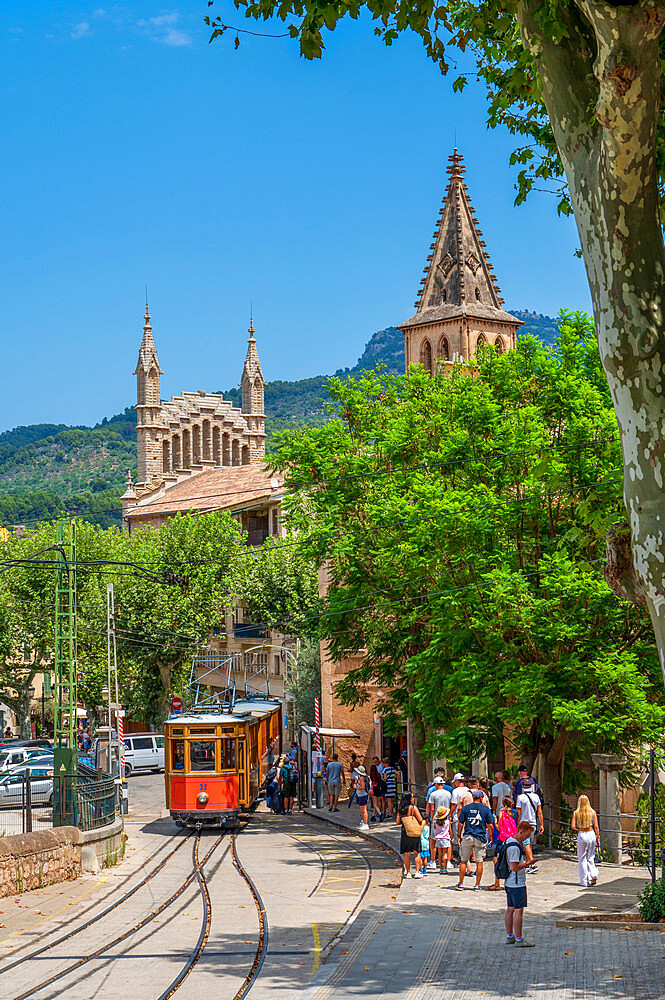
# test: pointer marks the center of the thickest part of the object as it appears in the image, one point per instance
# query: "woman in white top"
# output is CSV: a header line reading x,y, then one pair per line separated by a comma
x,y
585,822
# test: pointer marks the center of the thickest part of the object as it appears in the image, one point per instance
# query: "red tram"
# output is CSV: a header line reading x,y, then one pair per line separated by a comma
x,y
215,760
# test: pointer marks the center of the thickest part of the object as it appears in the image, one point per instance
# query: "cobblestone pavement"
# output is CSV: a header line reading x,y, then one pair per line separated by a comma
x,y
434,943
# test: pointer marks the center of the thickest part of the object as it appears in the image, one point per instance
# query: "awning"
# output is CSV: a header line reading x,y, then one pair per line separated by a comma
x,y
330,732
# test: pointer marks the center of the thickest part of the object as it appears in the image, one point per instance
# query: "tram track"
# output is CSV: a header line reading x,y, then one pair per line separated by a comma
x,y
197,873
93,920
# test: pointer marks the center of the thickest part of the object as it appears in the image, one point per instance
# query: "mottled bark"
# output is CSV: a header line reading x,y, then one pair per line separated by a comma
x,y
601,85
165,671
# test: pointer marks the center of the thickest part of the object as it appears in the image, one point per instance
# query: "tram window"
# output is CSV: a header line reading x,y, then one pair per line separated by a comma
x,y
228,755
202,755
178,755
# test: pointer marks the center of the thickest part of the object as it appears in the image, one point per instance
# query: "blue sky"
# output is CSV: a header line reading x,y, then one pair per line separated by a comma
x,y
135,152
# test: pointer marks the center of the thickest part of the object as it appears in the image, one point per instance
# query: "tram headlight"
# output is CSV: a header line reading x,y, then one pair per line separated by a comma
x,y
202,798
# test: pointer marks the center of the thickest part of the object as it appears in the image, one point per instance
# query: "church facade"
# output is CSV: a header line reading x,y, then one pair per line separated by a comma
x,y
459,307
196,430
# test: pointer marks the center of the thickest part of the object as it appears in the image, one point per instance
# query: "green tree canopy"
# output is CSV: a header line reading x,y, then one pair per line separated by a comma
x,y
462,520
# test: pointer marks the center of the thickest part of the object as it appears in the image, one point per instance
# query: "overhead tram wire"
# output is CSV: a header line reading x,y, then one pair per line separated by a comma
x,y
524,498
586,444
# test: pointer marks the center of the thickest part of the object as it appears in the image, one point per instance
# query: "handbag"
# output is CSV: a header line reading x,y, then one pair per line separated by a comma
x,y
412,827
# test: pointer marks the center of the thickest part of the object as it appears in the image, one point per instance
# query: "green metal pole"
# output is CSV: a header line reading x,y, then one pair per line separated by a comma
x,y
64,741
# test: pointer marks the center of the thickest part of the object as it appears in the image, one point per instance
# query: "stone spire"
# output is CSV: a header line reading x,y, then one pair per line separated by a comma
x,y
148,406
252,377
147,352
458,271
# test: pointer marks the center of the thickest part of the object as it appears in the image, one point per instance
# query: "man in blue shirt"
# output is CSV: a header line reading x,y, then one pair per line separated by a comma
x,y
523,772
475,830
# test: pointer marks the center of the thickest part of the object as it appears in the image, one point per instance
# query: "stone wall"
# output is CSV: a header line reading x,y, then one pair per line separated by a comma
x,y
33,860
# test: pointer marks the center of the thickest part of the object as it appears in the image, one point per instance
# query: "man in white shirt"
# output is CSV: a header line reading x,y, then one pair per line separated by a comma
x,y
500,789
439,796
460,791
530,810
515,886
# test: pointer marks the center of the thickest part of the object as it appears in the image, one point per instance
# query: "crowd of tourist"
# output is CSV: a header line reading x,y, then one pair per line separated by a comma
x,y
467,821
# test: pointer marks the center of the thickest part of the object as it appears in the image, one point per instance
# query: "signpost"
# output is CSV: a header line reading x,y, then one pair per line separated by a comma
x,y
176,704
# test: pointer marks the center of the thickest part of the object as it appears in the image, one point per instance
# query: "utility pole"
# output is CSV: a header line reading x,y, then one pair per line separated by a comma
x,y
115,755
65,701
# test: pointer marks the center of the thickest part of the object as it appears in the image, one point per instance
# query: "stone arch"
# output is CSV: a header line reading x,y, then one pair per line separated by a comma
x,y
166,455
176,457
481,341
186,449
499,345
477,294
245,454
196,445
226,449
444,348
205,428
426,355
216,447
235,452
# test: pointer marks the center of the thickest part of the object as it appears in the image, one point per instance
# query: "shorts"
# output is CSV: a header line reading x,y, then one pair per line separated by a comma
x,y
289,789
445,843
516,896
470,844
334,788
361,798
528,841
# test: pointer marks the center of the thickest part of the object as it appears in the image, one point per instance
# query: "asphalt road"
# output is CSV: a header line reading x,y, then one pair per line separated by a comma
x,y
312,883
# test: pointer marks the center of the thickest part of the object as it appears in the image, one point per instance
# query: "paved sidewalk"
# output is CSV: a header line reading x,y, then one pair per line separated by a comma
x,y
434,943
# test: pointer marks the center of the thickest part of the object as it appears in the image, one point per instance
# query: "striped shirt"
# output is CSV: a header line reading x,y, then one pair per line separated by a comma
x,y
388,773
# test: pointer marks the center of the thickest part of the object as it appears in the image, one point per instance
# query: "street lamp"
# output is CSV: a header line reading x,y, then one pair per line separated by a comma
x,y
31,693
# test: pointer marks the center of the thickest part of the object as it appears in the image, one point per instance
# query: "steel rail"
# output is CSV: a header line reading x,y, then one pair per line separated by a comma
x,y
262,946
203,935
136,927
109,909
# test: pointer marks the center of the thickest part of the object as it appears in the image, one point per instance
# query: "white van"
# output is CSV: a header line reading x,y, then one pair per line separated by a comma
x,y
144,750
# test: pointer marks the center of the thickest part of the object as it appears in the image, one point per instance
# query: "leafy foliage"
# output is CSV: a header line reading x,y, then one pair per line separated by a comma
x,y
651,901
463,520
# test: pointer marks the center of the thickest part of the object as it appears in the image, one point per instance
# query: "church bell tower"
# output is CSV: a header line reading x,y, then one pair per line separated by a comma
x,y
148,407
253,409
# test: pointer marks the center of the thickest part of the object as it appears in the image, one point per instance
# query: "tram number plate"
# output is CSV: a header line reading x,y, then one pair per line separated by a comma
x,y
202,786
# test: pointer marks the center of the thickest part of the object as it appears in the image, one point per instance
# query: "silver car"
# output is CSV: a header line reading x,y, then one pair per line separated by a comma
x,y
41,783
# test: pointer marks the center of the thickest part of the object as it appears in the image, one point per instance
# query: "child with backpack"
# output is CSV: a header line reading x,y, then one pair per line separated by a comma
x,y
506,826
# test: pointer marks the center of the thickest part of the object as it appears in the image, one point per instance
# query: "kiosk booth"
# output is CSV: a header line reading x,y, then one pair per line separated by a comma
x,y
310,759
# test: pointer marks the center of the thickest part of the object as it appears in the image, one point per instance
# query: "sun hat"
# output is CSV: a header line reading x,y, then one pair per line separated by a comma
x,y
442,812
361,770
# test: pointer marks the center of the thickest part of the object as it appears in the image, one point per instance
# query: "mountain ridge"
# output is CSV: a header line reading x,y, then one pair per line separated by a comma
x,y
50,469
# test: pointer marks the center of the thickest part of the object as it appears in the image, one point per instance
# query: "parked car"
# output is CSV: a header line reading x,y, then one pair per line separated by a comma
x,y
11,756
144,750
41,783
5,744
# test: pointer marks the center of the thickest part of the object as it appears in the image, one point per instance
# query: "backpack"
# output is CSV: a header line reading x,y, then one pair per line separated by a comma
x,y
507,825
289,774
502,868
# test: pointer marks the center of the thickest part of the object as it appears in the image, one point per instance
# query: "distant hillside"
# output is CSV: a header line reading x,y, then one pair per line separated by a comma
x,y
48,469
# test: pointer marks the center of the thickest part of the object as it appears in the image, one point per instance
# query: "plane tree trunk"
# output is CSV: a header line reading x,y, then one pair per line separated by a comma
x,y
601,84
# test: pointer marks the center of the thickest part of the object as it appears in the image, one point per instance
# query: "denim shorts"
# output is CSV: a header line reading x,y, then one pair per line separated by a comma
x,y
361,798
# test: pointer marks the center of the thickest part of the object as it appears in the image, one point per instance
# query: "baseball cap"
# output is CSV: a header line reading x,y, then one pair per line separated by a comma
x,y
527,783
458,777
438,780
477,793
522,767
